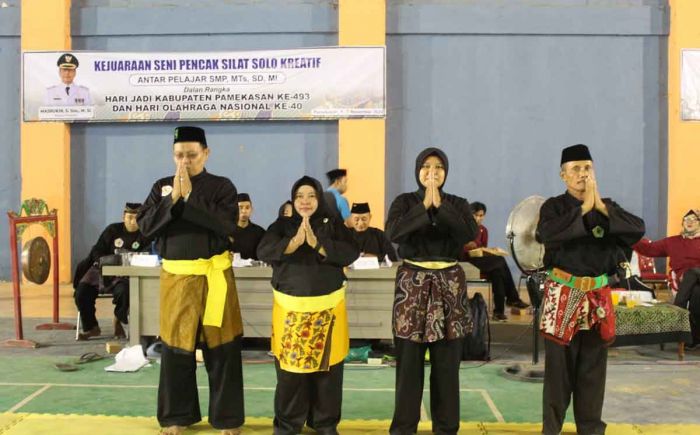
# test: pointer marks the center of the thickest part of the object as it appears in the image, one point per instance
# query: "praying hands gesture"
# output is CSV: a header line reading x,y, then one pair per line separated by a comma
x,y
182,185
432,194
305,234
592,199
311,239
298,239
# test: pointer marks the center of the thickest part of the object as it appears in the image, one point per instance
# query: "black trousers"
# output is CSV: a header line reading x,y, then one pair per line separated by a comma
x,y
445,357
497,271
688,296
86,295
313,396
577,369
178,401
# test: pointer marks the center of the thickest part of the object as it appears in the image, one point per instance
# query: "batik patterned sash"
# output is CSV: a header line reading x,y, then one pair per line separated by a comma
x,y
309,334
431,304
566,310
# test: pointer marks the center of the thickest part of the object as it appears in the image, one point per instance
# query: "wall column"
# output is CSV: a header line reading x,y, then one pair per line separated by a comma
x,y
45,147
362,142
683,136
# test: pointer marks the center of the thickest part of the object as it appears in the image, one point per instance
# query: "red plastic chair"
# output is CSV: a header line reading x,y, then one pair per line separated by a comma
x,y
647,268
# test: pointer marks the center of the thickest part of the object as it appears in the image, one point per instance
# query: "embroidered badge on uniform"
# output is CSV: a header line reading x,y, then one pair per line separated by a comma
x,y
118,243
166,190
598,232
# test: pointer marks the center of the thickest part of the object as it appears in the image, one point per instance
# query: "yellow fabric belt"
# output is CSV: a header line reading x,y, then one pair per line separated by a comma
x,y
435,265
213,268
309,304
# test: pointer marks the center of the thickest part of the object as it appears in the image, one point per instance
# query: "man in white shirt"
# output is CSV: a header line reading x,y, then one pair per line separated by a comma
x,y
67,93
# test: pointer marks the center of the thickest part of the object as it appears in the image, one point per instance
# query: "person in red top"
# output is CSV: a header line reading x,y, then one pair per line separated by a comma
x,y
683,252
490,262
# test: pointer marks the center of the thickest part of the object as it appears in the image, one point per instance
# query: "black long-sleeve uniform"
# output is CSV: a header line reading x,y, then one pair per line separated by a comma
x,y
432,234
314,398
114,237
569,241
588,245
435,234
305,272
246,240
374,241
198,228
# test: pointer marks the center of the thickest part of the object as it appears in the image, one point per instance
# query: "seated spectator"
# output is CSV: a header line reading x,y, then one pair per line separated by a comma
x,y
490,262
371,241
247,235
683,252
87,279
285,209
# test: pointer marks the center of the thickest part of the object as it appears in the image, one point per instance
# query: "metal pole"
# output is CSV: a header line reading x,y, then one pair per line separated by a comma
x,y
55,270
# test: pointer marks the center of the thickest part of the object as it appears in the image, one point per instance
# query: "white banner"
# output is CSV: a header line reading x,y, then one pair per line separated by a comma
x,y
690,85
312,83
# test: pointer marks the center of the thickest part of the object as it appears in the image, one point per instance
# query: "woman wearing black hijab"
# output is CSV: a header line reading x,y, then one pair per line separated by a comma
x,y
430,304
310,338
285,209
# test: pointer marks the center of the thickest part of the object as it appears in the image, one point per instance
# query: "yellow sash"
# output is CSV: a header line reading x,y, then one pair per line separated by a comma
x,y
303,327
434,265
213,268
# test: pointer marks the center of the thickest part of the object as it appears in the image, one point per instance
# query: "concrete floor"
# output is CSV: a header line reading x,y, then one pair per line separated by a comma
x,y
645,384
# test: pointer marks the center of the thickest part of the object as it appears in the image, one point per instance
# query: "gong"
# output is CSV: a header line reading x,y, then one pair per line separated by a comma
x,y
527,252
36,260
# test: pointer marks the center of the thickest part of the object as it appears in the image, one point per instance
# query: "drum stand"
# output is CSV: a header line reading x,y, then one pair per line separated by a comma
x,y
534,283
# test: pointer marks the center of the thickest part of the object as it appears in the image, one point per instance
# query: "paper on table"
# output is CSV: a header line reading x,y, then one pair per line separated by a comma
x,y
365,263
129,359
144,260
241,262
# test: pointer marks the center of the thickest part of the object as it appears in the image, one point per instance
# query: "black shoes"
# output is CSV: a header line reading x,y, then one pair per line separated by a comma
x,y
499,317
94,332
517,304
119,332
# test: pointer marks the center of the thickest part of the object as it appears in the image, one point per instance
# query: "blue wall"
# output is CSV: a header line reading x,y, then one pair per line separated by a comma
x,y
500,86
502,89
9,126
116,163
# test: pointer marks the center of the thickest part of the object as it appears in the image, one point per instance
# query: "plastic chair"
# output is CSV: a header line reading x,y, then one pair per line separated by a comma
x,y
647,270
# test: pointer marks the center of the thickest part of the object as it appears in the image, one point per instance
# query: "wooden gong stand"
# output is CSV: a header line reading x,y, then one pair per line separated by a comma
x,y
35,211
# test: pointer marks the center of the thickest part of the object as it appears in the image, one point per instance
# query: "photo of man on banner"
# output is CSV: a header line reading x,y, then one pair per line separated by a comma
x,y
67,93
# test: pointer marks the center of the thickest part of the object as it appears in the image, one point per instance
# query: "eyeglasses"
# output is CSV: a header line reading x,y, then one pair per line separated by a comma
x,y
691,219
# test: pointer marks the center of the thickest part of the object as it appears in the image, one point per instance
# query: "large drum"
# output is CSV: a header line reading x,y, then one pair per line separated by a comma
x,y
527,252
